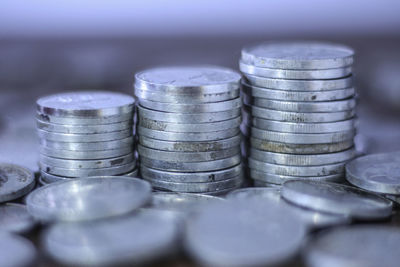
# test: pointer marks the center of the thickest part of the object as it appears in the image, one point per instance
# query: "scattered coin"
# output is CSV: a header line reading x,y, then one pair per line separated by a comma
x,y
15,181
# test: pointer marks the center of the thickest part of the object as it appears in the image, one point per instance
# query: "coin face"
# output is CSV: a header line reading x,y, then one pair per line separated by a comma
x,y
15,218
377,172
15,181
16,251
341,247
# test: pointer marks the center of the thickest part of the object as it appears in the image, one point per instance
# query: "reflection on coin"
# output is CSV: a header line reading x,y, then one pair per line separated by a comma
x,y
88,199
133,239
337,199
15,218
16,251
15,182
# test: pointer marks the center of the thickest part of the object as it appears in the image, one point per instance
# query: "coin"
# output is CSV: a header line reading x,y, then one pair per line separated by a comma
x,y
15,181
298,127
243,233
86,155
298,55
85,104
88,199
341,246
15,218
87,164
195,177
84,120
109,242
88,146
278,73
16,251
261,176
84,138
188,79
337,199
259,183
377,172
312,219
84,129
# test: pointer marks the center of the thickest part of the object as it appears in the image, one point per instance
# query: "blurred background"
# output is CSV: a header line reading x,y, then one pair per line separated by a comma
x,y
52,46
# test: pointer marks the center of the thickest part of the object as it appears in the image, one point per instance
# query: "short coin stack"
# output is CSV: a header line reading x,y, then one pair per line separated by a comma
x,y
188,128
85,134
299,110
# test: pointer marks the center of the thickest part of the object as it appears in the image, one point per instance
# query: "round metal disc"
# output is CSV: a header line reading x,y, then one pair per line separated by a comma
x,y
88,198
110,243
259,183
243,233
307,96
298,55
88,146
84,129
85,120
188,79
190,146
204,166
84,138
15,218
341,247
377,173
298,127
85,104
86,155
300,148
87,164
302,160
280,179
15,182
191,177
16,251
313,219
322,170
291,74
337,199
204,117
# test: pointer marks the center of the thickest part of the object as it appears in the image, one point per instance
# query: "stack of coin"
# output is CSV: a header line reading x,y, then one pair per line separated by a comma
x,y
298,113
188,128
85,134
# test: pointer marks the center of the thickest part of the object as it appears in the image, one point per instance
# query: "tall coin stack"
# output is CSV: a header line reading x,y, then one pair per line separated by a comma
x,y
299,110
85,134
188,128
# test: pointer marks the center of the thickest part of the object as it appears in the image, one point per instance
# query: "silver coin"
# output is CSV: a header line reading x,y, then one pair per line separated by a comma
x,y
302,138
377,172
171,156
298,55
87,164
302,160
84,129
312,219
259,183
157,96
192,108
190,187
191,177
173,136
189,127
299,85
42,181
69,172
300,148
337,199
277,179
15,181
243,233
298,127
88,199
204,166
306,107
188,79
86,155
85,104
291,74
16,251
15,218
84,120
322,170
341,247
84,138
109,242
311,117
306,96
190,146
88,146
204,117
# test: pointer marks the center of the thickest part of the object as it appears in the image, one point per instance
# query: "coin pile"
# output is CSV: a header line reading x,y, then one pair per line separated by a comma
x,y
298,112
188,128
85,134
